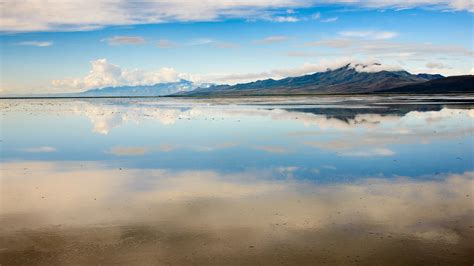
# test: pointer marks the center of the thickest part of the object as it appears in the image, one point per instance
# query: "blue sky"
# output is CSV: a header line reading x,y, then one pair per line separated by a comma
x,y
72,47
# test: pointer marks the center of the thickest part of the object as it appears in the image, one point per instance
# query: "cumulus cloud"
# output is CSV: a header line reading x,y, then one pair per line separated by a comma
x,y
118,40
44,15
271,39
377,35
105,74
36,43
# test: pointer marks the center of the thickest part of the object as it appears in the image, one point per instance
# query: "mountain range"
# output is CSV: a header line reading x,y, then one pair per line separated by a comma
x,y
348,79
159,89
351,78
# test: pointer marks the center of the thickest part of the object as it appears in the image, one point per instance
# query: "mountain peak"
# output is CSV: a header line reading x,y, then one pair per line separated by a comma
x,y
350,78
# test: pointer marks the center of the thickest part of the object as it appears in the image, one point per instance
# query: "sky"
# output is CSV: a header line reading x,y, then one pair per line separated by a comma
x,y
70,46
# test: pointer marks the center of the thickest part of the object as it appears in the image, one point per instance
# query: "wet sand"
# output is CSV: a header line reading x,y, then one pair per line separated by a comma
x,y
167,245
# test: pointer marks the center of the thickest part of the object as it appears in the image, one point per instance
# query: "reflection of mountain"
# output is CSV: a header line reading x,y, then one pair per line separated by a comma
x,y
348,79
349,114
106,115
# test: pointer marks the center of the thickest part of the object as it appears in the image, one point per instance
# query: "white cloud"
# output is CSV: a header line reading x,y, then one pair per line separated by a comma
x,y
306,68
369,152
271,39
285,19
42,149
434,65
316,16
201,41
36,43
118,40
128,151
329,20
44,15
383,48
164,43
272,149
105,74
371,67
377,35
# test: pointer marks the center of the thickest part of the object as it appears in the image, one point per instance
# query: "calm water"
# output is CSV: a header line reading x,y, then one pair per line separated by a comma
x,y
327,180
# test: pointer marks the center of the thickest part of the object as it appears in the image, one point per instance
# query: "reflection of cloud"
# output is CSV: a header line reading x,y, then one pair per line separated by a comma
x,y
362,135
208,148
336,129
105,117
352,147
128,151
40,149
272,149
84,193
372,137
36,43
167,147
329,167
370,152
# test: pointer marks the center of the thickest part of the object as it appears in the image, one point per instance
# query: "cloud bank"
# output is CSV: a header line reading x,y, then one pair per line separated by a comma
x,y
103,74
73,15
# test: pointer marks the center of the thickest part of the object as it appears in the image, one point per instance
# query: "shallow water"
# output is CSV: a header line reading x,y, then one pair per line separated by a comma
x,y
301,180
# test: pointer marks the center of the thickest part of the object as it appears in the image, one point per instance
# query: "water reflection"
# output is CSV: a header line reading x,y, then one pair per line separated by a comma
x,y
359,136
266,211
229,181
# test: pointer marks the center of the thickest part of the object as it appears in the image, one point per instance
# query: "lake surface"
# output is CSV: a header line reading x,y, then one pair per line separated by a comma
x,y
268,181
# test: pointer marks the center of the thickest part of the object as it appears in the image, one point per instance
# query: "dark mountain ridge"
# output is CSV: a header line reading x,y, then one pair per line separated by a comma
x,y
453,84
347,79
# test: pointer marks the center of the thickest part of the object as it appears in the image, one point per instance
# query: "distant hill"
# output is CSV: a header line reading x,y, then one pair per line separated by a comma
x,y
452,84
159,89
342,80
